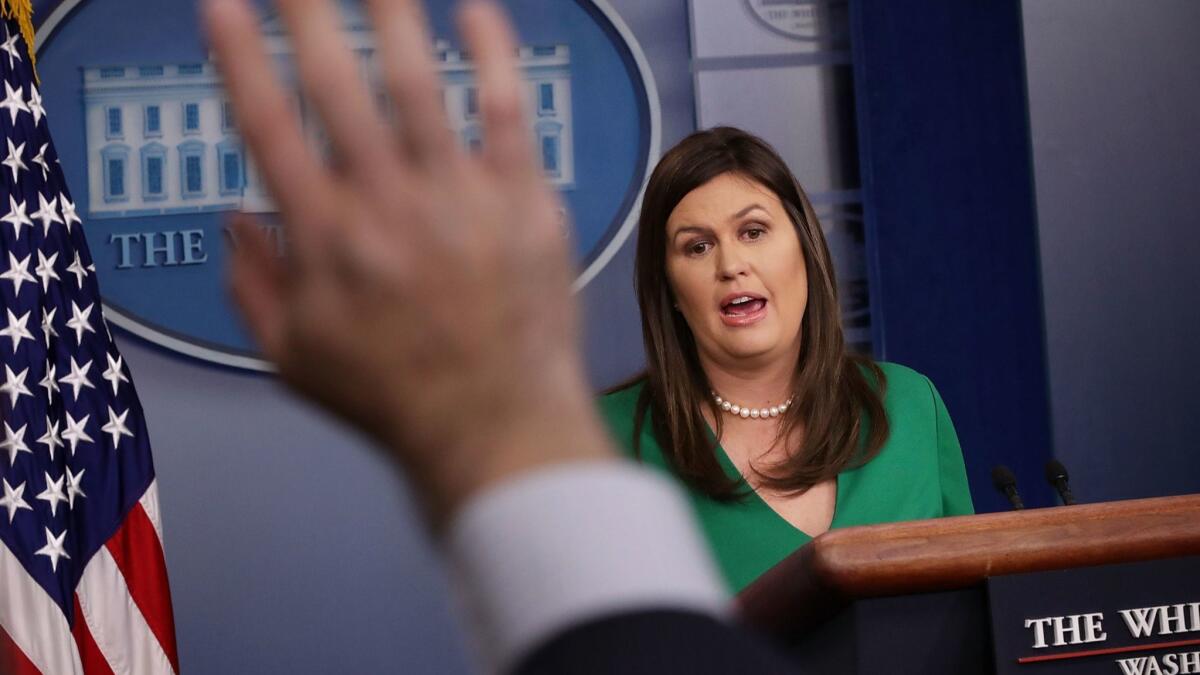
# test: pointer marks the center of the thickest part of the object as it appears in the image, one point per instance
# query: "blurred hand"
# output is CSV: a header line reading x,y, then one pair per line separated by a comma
x,y
424,296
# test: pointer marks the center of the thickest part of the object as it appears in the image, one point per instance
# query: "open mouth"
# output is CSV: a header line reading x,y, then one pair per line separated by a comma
x,y
743,309
743,306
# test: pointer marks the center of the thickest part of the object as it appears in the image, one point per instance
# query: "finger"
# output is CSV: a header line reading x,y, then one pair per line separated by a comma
x,y
258,285
490,38
408,71
265,116
333,83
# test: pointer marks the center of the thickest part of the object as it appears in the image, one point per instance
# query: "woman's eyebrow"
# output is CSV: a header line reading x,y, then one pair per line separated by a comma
x,y
690,229
696,229
748,209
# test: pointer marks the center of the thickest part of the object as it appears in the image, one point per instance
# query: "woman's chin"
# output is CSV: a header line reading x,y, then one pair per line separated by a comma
x,y
749,350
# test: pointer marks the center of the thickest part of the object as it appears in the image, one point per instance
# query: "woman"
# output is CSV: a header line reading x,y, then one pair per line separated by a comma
x,y
749,395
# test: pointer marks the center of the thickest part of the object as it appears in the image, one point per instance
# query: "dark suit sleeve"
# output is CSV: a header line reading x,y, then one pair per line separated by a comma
x,y
656,641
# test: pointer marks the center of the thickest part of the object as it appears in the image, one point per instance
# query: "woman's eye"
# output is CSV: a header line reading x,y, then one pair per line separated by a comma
x,y
698,247
755,233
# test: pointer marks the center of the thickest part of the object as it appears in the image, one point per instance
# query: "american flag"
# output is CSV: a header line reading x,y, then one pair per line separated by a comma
x,y
83,582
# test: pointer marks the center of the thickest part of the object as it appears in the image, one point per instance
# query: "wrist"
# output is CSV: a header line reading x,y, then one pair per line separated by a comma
x,y
550,420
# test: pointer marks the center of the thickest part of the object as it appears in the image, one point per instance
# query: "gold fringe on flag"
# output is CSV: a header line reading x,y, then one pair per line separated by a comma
x,y
22,11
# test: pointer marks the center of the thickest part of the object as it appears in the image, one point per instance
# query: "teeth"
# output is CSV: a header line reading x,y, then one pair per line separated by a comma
x,y
741,301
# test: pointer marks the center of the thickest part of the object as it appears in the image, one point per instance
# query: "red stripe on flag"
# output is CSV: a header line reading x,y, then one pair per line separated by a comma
x,y
139,556
12,660
90,655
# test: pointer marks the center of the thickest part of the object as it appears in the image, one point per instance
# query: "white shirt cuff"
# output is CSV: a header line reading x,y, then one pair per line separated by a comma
x,y
557,547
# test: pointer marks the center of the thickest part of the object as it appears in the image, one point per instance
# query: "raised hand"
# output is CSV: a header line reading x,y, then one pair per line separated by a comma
x,y
424,295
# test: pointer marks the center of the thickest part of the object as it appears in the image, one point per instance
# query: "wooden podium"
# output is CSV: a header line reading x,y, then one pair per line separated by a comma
x,y
911,597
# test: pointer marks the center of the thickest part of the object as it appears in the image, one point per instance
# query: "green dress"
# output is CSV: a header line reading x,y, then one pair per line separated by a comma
x,y
919,473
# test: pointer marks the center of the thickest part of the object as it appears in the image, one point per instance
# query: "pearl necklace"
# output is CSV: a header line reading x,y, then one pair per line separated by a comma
x,y
751,413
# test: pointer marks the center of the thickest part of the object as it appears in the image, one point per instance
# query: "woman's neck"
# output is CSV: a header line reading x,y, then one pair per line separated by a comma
x,y
755,385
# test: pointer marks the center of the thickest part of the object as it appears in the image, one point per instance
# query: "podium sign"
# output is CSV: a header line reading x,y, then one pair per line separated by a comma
x,y
1131,619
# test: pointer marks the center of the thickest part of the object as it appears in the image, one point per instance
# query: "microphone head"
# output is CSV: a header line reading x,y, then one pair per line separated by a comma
x,y
1003,477
1055,471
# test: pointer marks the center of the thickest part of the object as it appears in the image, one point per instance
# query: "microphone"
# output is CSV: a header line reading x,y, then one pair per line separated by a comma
x,y
1056,475
1006,483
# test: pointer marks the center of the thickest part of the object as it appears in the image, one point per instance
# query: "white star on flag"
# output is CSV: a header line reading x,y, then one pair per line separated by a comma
x,y
47,213
68,211
40,160
76,432
16,329
116,426
77,269
45,269
78,378
73,490
35,104
49,383
53,494
13,101
79,321
113,374
14,442
48,324
13,499
51,439
14,385
53,548
16,216
10,47
13,160
18,272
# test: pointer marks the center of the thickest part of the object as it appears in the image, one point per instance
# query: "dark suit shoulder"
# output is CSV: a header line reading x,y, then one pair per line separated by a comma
x,y
656,641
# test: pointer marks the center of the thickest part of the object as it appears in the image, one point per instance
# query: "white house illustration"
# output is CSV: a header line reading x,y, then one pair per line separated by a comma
x,y
161,139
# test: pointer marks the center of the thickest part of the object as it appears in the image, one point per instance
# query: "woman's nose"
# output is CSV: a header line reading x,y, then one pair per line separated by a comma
x,y
731,263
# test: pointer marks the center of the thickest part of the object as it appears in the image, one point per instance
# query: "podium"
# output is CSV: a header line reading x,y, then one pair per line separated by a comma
x,y
922,596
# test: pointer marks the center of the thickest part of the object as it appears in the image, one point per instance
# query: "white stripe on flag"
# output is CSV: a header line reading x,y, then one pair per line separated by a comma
x,y
34,622
116,623
149,502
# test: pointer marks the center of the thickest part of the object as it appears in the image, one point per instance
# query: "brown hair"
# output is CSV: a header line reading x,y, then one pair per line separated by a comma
x,y
838,395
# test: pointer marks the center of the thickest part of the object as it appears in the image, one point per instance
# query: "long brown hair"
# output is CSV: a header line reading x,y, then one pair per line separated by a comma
x,y
838,395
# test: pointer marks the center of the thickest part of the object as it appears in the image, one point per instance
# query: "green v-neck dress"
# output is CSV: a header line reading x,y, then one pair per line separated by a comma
x,y
918,474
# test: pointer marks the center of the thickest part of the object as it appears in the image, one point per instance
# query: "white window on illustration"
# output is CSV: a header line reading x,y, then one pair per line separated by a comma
x,y
546,98
114,159
551,155
116,177
232,170
113,123
226,116
549,135
191,118
153,121
191,169
471,101
154,163
154,177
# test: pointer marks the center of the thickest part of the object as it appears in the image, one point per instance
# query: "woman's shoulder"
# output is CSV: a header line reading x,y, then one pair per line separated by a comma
x,y
905,387
621,401
618,408
623,394
901,374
